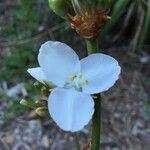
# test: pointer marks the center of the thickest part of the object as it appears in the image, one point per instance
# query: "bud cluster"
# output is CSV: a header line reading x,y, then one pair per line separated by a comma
x,y
39,106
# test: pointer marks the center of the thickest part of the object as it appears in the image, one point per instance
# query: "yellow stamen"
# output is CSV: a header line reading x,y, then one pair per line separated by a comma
x,y
85,82
72,77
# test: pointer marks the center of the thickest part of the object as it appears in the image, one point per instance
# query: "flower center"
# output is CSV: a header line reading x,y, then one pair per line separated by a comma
x,y
76,81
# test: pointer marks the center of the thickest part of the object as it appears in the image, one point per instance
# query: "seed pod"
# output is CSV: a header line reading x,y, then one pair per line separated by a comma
x,y
60,7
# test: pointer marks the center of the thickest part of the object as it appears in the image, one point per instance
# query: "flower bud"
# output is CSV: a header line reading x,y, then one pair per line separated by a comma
x,y
60,7
45,91
26,103
41,102
42,111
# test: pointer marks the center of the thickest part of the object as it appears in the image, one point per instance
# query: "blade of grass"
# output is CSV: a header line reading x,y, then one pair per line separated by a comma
x,y
118,9
146,26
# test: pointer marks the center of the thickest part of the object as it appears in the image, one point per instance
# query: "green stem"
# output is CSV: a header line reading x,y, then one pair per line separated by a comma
x,y
92,47
76,137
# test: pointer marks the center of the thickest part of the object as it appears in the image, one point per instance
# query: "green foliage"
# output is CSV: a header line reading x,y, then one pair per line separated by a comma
x,y
90,3
17,109
25,17
127,15
104,3
118,9
24,23
60,7
146,26
22,26
14,109
14,66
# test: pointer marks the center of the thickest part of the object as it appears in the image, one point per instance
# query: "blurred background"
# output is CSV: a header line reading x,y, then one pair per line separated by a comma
x,y
24,26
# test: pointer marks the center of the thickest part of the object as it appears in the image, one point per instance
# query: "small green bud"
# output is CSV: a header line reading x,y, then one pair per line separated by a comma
x,y
45,91
60,7
42,111
41,102
26,103
38,85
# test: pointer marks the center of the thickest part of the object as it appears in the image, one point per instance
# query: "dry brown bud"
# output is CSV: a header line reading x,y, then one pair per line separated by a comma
x,y
90,24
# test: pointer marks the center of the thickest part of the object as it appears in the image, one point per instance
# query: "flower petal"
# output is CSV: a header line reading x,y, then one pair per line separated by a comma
x,y
58,61
70,109
101,71
38,74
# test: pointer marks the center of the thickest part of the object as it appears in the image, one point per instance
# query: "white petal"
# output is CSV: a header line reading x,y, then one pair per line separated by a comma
x,y
58,61
38,74
101,71
70,109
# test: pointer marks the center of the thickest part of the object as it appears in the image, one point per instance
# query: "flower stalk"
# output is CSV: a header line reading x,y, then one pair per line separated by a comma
x,y
96,124
77,139
92,47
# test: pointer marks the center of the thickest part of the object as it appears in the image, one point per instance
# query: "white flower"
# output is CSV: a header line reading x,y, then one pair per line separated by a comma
x,y
70,104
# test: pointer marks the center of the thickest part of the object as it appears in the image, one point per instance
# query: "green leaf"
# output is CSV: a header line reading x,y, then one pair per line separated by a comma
x,y
146,26
60,7
118,9
104,4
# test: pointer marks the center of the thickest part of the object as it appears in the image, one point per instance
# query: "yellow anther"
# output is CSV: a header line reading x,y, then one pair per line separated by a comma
x,y
72,77
85,81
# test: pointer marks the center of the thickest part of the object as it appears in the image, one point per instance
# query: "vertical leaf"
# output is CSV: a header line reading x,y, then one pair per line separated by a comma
x,y
118,9
146,26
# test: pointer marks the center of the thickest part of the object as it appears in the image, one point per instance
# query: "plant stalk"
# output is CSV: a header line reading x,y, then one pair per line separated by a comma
x,y
92,47
96,124
77,139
